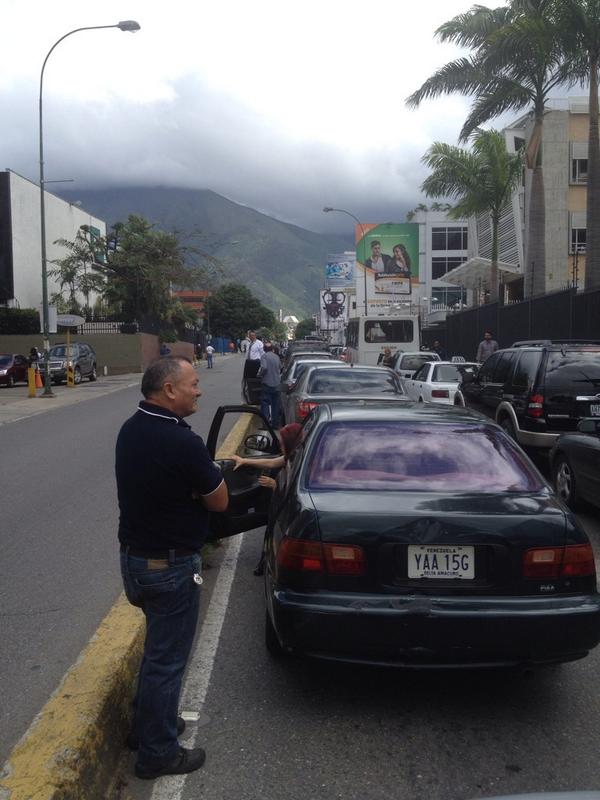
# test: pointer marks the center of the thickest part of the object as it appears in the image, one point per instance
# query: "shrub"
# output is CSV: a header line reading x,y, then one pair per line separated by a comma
x,y
21,321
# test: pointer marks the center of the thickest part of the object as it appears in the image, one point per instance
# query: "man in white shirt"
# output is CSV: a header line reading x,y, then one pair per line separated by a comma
x,y
255,348
209,356
251,367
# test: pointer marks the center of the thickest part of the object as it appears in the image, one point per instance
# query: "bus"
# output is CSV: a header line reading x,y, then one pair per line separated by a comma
x,y
367,337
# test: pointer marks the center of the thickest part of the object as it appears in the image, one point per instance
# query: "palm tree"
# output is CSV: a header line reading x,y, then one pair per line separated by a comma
x,y
579,21
480,180
517,60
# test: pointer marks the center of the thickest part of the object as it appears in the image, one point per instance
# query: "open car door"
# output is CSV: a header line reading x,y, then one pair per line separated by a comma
x,y
248,500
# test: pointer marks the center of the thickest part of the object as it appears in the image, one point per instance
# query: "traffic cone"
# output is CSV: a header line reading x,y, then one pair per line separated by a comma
x,y
38,380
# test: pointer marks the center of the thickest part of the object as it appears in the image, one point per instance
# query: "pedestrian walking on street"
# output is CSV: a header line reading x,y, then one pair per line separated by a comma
x,y
167,485
487,346
210,350
270,378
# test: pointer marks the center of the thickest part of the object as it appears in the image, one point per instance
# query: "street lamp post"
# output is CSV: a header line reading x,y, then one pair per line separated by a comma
x,y
326,210
125,25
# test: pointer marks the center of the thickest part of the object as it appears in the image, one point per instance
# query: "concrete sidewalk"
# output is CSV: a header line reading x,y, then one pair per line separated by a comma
x,y
72,748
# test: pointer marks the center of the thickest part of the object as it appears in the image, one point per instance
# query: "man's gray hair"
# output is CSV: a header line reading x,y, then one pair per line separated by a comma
x,y
159,372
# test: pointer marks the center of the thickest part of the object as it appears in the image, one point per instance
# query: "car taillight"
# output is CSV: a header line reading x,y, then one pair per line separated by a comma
x,y
535,406
300,555
342,559
440,393
572,561
304,408
337,559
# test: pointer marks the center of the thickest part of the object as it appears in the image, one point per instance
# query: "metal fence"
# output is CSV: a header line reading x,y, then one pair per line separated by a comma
x,y
565,314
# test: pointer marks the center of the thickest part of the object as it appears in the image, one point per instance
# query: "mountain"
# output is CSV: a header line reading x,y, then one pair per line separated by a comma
x,y
282,264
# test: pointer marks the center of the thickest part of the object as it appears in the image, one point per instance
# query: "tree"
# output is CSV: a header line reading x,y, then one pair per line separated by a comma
x,y
304,328
234,310
77,273
481,180
579,24
517,60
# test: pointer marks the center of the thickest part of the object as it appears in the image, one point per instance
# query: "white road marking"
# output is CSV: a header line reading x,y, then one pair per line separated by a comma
x,y
203,659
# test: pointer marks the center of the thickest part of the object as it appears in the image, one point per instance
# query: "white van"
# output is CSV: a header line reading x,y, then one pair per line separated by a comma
x,y
367,337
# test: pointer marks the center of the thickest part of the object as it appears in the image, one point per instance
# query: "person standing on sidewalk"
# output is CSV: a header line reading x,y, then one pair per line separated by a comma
x,y
487,346
270,378
210,351
167,484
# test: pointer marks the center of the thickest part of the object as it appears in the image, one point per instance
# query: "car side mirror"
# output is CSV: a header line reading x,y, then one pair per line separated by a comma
x,y
258,441
589,425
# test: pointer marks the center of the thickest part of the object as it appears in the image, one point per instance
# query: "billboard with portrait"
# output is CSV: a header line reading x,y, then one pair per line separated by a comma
x,y
387,262
334,309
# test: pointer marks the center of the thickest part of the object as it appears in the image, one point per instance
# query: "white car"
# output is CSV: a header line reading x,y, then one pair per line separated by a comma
x,y
436,382
406,364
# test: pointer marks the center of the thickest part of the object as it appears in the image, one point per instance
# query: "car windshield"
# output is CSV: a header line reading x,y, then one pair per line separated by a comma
x,y
60,351
5,361
419,457
578,367
414,362
352,381
446,373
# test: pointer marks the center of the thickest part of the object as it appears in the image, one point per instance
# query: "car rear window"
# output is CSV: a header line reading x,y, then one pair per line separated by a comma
x,y
414,362
419,457
579,368
446,373
352,381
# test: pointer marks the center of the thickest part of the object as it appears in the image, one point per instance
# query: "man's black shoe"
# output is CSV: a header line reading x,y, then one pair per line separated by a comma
x,y
186,761
132,742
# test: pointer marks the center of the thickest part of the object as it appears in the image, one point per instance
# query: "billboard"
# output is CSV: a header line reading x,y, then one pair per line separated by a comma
x,y
333,305
339,269
387,263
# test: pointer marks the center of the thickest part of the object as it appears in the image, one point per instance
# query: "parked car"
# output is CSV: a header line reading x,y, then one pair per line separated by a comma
x,y
436,381
406,364
575,464
83,360
289,387
341,384
537,390
290,375
416,535
13,369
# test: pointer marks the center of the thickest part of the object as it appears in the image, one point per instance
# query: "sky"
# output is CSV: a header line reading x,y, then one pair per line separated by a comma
x,y
283,106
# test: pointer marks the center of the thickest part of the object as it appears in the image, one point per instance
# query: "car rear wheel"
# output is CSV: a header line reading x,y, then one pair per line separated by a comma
x,y
77,376
93,374
565,482
11,381
271,641
506,425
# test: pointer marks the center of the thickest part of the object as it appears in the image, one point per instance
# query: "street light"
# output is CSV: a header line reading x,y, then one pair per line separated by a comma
x,y
126,25
326,210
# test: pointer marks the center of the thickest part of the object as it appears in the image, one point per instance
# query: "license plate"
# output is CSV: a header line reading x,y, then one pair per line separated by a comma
x,y
595,410
441,561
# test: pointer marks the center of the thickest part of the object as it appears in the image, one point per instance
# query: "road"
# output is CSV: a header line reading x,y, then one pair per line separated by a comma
x,y
278,729
59,571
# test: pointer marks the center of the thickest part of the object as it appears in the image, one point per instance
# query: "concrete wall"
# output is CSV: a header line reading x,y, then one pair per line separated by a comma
x,y
120,353
63,220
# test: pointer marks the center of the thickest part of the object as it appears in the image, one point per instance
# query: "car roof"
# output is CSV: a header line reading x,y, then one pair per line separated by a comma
x,y
401,410
458,364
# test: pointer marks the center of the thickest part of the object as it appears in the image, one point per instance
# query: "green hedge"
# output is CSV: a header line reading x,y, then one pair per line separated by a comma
x,y
19,321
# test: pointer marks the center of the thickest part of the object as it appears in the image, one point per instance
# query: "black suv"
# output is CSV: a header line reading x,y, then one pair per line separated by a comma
x,y
537,390
82,357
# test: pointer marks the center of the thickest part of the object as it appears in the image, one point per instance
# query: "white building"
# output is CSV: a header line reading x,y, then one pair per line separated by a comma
x,y
20,238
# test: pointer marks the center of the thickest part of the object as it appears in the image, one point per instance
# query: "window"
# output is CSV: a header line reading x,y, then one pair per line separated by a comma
x,y
352,334
487,370
388,331
440,265
446,373
352,381
578,240
504,367
419,457
449,238
527,369
444,295
579,162
413,363
421,375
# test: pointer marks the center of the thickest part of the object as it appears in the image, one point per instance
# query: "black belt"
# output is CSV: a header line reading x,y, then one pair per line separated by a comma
x,y
177,552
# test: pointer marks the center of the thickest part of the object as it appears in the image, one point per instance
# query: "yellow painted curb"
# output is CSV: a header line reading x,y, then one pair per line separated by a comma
x,y
72,747
69,751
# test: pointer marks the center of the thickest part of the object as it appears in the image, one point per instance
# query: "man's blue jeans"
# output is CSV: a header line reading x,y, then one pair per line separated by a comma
x,y
170,600
269,404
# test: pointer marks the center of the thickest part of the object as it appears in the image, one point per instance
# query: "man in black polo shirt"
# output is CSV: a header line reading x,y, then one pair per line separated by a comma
x,y
166,484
